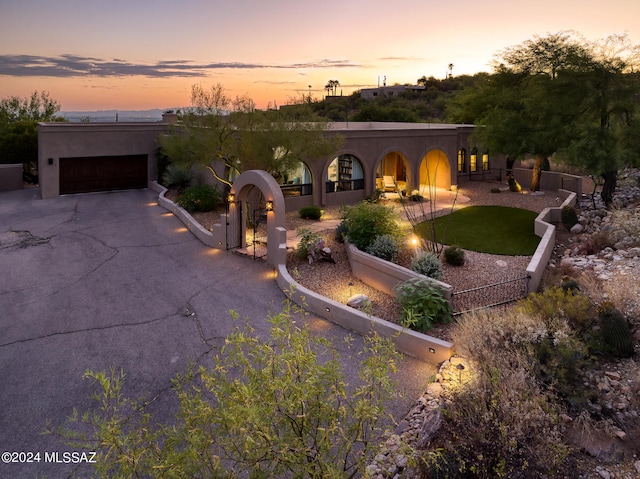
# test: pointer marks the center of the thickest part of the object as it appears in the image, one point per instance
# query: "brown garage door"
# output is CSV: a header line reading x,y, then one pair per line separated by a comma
x,y
102,173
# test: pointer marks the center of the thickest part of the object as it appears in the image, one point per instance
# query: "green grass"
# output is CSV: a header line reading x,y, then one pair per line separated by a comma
x,y
488,229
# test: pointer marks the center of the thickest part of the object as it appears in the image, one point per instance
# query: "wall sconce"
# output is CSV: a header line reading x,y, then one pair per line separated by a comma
x,y
231,198
268,205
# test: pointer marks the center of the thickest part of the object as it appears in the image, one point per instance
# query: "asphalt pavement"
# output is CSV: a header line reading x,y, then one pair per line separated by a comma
x,y
89,282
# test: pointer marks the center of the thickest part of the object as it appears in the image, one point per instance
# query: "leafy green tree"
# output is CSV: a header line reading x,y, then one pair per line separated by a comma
x,y
217,130
559,95
19,119
275,408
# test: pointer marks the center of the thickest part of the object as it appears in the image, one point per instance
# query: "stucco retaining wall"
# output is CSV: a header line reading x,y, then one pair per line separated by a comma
x,y
384,275
544,228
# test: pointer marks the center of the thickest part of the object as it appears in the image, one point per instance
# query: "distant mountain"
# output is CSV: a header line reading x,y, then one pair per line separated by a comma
x,y
115,115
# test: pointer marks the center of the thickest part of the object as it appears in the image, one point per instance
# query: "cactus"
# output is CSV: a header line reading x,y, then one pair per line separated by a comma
x,y
615,331
568,216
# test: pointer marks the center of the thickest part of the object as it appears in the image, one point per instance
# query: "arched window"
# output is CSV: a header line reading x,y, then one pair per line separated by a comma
x,y
344,174
462,154
296,181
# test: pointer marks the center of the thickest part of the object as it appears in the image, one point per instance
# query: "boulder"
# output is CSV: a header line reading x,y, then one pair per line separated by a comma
x,y
359,301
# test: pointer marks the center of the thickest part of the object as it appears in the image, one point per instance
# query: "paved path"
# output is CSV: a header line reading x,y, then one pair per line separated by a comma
x,y
111,279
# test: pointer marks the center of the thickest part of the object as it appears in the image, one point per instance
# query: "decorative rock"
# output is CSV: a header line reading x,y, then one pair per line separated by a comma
x,y
577,228
359,301
501,263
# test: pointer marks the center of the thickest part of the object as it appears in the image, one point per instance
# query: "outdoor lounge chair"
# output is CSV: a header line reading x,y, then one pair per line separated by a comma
x,y
389,183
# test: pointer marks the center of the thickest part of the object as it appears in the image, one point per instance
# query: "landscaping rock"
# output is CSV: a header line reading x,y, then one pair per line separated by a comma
x,y
359,301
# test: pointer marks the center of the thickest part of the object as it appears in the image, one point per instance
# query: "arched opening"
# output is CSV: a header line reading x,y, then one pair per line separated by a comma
x,y
435,172
393,165
345,173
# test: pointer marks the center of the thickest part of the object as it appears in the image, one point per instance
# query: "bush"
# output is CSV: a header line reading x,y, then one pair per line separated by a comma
x,y
199,198
310,212
279,406
454,256
427,263
310,245
366,221
568,216
423,304
341,232
385,247
177,175
560,303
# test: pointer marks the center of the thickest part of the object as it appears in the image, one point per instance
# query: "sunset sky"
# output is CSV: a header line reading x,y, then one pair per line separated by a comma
x,y
138,54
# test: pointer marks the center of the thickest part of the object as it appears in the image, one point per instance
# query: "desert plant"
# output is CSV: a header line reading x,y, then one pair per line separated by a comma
x,y
454,256
416,196
178,175
616,335
366,221
310,245
568,216
559,303
341,232
427,263
264,408
310,212
385,247
199,198
423,304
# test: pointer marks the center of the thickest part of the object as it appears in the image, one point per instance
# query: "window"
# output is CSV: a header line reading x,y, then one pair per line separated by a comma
x,y
485,162
473,161
345,173
296,181
461,160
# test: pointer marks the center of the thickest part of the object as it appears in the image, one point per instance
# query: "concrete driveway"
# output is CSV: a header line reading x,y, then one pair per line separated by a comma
x,y
111,279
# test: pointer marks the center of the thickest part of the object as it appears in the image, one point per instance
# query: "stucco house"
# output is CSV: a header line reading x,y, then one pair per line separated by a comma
x,y
85,157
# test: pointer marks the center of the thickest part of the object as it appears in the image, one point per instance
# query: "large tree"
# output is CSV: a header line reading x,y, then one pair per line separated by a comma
x,y
19,119
559,95
217,131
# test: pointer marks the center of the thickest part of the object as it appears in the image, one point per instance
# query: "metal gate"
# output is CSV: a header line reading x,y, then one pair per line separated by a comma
x,y
255,242
490,295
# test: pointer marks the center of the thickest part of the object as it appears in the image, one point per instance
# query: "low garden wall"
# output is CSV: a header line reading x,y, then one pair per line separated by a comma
x,y
546,230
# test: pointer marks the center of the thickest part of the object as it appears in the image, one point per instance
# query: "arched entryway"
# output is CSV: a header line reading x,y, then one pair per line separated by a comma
x,y
395,165
435,171
271,201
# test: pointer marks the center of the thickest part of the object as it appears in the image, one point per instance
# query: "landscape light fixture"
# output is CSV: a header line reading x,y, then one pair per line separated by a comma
x,y
268,205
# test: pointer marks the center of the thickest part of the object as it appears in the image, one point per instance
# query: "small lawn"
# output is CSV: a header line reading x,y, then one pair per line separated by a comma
x,y
488,229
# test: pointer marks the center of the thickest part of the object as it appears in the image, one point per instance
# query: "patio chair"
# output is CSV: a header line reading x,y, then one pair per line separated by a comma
x,y
389,183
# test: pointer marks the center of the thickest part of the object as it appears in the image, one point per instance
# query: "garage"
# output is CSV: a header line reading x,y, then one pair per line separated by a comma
x,y
102,173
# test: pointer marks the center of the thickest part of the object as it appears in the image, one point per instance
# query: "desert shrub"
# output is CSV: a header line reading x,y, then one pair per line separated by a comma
x,y
416,196
375,196
616,335
385,247
502,426
366,221
427,263
264,407
177,175
626,224
454,255
595,243
310,245
423,304
568,216
341,232
199,198
514,185
310,212
557,303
